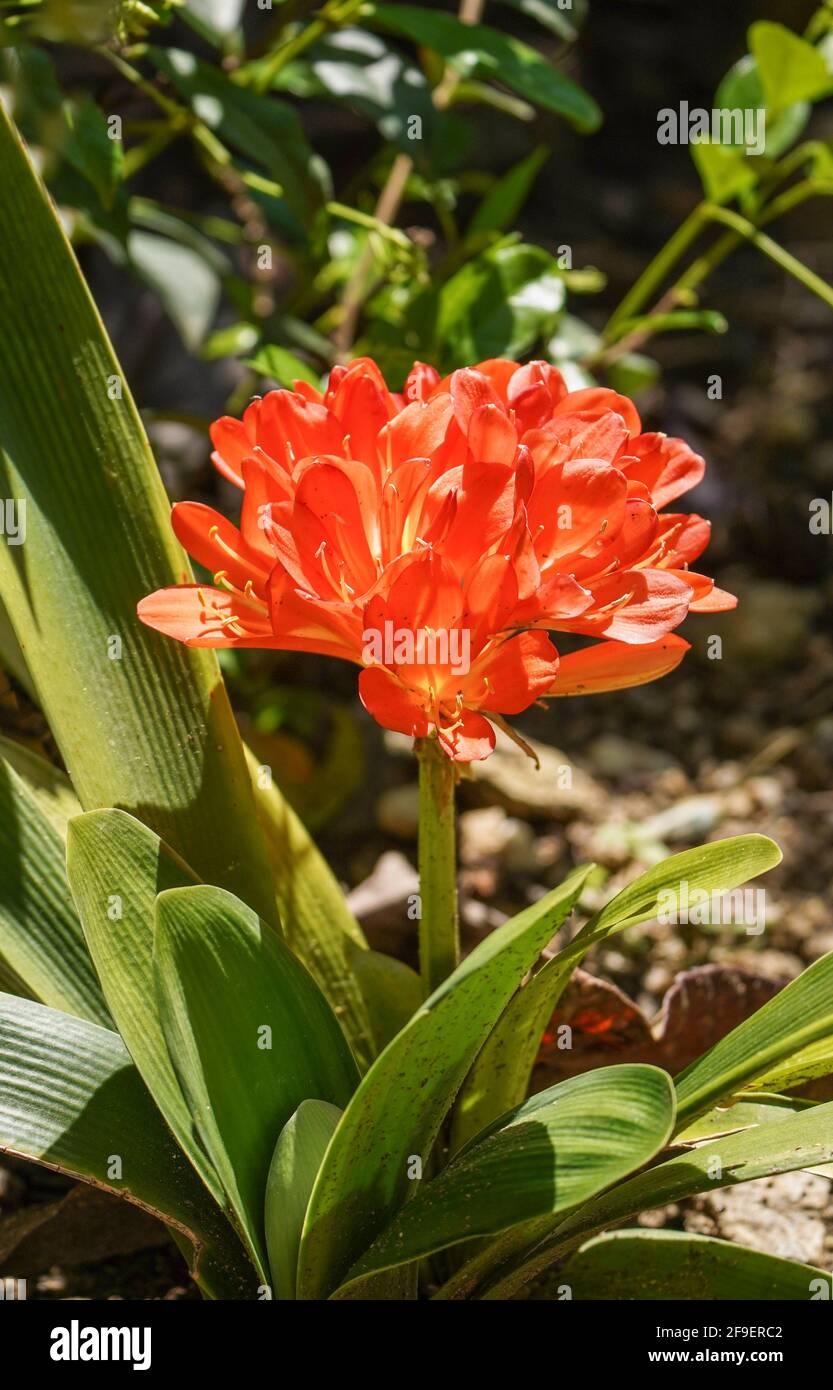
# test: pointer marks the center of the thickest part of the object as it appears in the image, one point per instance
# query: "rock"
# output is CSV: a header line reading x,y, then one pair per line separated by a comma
x,y
488,836
702,1006
484,834
397,811
688,820
613,756
557,789
388,888
783,1215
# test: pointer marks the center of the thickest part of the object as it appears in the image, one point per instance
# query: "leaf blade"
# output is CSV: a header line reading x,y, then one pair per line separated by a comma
x,y
402,1100
241,1084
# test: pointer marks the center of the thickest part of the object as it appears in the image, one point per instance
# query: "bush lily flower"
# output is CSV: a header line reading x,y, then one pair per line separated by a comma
x,y
494,503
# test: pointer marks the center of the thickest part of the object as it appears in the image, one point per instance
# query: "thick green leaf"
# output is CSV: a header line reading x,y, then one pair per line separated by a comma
x,y
759,1109
250,1036
71,1098
391,990
142,722
301,1146
499,305
41,940
790,68
800,1014
475,50
318,924
500,1076
672,1265
50,787
802,1066
116,868
800,1141
560,1148
401,1103
714,868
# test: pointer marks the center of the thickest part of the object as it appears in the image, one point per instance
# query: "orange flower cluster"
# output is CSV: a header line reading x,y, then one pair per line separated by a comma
x,y
435,538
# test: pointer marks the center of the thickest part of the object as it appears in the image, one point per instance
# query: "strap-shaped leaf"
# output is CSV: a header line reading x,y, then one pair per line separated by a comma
x,y
400,1105
800,1014
750,1109
500,1076
41,940
71,1098
50,787
141,722
799,1141
559,1149
665,1265
317,923
250,1035
116,867
301,1146
806,1065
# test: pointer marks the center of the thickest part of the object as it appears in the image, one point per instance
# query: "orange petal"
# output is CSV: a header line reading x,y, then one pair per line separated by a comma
x,y
214,542
574,504
426,593
617,665
470,390
492,437
302,623
205,617
668,466
391,703
418,431
233,442
291,427
592,402
638,606
514,674
420,382
469,740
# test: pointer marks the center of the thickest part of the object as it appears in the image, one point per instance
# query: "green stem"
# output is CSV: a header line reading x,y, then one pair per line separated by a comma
x,y
439,947
654,274
776,253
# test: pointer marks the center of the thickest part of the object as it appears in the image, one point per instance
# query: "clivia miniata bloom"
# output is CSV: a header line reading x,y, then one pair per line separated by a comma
x,y
493,503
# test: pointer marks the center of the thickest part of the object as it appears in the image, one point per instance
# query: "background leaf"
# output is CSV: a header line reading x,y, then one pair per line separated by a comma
x,y
475,50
